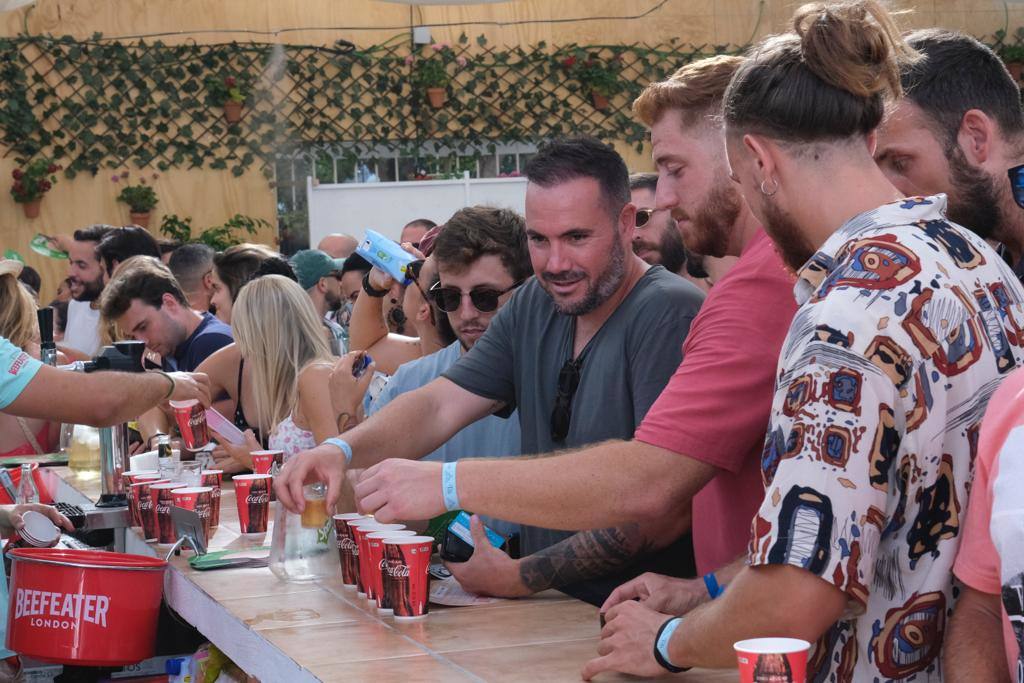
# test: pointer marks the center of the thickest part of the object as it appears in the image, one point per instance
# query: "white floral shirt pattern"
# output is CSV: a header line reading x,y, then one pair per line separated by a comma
x,y
907,324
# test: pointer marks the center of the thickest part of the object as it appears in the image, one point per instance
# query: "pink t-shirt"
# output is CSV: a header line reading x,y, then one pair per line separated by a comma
x,y
978,563
715,407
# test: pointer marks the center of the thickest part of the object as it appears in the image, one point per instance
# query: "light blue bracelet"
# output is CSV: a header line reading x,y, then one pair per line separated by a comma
x,y
661,646
343,445
448,487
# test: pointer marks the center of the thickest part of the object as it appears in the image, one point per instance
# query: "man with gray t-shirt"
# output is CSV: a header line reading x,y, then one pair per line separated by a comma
x,y
582,351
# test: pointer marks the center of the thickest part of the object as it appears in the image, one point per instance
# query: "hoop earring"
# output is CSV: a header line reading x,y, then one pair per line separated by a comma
x,y
775,189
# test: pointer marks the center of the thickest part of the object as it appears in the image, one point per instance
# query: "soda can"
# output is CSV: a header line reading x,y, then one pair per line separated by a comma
x,y
213,479
252,496
191,419
381,581
162,502
407,563
198,499
348,551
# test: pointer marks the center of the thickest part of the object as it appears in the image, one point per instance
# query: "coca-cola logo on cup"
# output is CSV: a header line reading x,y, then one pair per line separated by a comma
x,y
60,611
397,571
346,543
259,498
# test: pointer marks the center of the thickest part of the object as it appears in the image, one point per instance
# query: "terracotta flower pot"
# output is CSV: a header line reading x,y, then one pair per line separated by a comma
x,y
600,101
140,219
31,208
1015,69
437,97
232,111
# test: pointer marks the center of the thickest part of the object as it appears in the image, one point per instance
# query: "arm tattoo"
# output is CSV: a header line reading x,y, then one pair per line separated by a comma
x,y
585,555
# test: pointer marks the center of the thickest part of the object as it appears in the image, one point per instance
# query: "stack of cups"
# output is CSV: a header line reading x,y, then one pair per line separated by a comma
x,y
213,478
163,499
252,496
348,551
382,579
129,479
198,499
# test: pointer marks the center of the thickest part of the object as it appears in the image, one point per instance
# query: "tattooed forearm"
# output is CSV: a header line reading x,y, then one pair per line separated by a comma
x,y
585,555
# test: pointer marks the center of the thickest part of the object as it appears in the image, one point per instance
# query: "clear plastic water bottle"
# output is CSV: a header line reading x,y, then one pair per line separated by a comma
x,y
27,491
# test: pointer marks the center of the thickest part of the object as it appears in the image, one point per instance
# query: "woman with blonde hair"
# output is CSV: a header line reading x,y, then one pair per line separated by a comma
x,y
279,334
18,323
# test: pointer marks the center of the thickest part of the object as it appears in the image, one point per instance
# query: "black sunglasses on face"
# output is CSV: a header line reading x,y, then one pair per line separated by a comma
x,y
1017,184
568,382
485,299
643,217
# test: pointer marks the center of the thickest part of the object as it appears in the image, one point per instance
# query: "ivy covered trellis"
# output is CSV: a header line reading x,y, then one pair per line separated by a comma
x,y
99,104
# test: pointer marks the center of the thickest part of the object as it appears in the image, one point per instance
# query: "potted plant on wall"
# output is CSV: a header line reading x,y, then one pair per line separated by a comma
x,y
431,73
140,198
31,182
598,77
229,94
1012,55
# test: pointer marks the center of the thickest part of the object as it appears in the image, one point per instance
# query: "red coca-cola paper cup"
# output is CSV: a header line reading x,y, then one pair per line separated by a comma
x,y
213,479
191,419
128,479
407,561
348,551
360,528
252,495
381,579
147,510
162,502
198,499
268,462
772,659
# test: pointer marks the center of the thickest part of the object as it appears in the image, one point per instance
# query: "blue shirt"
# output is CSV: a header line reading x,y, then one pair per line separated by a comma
x,y
210,336
487,438
17,369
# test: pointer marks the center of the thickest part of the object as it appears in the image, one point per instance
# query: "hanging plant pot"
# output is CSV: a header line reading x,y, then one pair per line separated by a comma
x,y
437,97
1015,69
600,101
140,218
232,111
31,208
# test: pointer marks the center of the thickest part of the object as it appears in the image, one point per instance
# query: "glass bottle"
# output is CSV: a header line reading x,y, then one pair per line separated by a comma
x,y
27,491
303,545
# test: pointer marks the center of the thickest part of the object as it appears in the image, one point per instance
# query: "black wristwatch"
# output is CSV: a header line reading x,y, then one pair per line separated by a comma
x,y
370,290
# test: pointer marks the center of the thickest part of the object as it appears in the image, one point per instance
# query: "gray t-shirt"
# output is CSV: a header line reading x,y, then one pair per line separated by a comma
x,y
625,366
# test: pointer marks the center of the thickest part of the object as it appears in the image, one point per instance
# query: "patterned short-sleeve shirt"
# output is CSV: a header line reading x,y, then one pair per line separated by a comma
x,y
907,324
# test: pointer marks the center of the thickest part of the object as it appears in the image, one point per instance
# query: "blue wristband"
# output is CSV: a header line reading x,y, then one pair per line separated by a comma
x,y
448,487
711,582
343,445
661,645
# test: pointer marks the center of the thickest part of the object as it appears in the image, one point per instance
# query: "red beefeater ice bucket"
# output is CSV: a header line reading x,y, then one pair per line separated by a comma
x,y
84,607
